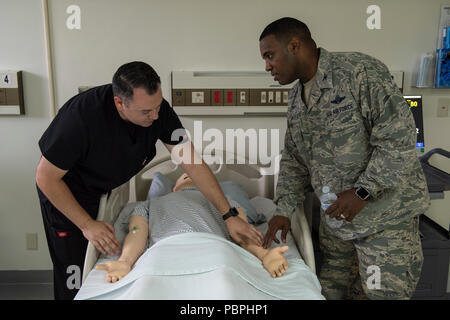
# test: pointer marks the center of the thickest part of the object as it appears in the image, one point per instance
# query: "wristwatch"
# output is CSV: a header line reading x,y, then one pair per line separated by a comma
x,y
362,193
232,213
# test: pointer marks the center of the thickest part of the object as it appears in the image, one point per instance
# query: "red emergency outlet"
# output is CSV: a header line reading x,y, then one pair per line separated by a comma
x,y
230,97
217,96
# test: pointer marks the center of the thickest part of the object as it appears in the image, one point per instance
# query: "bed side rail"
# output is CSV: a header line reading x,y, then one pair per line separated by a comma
x,y
302,235
108,210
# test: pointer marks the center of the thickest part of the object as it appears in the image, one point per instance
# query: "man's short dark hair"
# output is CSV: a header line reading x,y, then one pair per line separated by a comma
x,y
133,75
286,28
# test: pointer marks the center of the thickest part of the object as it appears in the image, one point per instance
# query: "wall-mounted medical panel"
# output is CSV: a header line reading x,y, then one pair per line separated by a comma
x,y
11,93
234,93
228,93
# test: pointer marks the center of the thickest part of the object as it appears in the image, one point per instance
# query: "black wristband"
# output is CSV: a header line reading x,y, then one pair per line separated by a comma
x,y
232,213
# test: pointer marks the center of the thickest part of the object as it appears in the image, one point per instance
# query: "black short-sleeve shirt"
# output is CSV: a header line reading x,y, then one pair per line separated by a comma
x,y
99,149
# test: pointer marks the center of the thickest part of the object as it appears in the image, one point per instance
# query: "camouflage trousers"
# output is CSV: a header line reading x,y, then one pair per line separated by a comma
x,y
385,265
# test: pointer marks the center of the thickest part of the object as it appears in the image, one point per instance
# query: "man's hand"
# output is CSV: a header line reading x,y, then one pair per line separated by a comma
x,y
102,236
275,224
49,179
275,262
347,206
115,270
242,232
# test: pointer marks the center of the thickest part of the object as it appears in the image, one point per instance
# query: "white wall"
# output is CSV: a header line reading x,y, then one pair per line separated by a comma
x,y
22,48
177,35
223,35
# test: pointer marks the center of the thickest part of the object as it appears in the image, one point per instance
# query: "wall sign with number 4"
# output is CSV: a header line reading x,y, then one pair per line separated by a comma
x,y
11,93
8,79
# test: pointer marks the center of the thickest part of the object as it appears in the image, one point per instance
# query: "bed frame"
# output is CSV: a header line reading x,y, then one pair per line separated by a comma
x,y
253,179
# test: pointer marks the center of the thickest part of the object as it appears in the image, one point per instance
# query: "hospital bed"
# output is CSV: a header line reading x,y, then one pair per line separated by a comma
x,y
256,180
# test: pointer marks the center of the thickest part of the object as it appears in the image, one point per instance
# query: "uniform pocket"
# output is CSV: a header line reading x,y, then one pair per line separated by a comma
x,y
69,247
342,132
349,147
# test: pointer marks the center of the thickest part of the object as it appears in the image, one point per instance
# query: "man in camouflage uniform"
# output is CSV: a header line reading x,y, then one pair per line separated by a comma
x,y
350,129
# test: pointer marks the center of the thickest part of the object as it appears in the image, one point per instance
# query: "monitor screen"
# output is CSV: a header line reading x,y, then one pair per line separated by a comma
x,y
415,105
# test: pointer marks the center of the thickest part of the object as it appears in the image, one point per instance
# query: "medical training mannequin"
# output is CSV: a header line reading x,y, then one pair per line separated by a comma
x,y
135,244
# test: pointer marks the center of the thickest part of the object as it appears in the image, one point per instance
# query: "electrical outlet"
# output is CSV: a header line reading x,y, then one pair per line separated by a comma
x,y
198,97
229,97
285,97
443,105
278,97
242,97
263,97
270,97
32,243
217,97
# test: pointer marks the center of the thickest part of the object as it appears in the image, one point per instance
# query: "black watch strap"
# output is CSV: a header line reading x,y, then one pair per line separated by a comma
x,y
232,213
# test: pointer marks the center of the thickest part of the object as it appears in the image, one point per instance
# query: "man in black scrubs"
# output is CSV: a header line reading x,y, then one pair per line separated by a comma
x,y
99,140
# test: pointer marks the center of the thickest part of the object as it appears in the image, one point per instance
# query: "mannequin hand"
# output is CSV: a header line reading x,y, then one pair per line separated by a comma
x,y
115,270
275,262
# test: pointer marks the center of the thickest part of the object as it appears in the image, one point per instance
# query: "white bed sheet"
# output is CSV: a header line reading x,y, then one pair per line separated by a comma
x,y
217,283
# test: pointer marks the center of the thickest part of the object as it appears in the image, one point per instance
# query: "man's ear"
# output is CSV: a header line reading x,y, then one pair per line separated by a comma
x,y
119,103
294,45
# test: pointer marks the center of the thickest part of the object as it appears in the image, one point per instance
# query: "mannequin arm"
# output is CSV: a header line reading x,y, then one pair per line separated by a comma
x,y
134,245
273,259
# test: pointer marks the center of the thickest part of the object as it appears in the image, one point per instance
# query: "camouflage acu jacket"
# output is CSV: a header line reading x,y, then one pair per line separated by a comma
x,y
357,131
